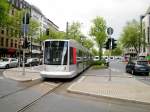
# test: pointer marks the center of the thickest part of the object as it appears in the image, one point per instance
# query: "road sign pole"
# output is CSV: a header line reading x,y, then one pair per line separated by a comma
x,y
110,48
110,32
24,35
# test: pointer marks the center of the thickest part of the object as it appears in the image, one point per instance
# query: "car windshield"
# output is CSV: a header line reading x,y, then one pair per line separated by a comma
x,y
142,62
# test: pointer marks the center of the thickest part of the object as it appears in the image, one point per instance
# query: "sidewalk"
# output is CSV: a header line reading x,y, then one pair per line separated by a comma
x,y
127,89
16,74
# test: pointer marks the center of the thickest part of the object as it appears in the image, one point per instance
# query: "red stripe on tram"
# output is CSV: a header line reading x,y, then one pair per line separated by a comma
x,y
74,56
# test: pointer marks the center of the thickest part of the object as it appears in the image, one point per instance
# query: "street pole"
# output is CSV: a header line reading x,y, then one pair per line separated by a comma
x,y
110,49
24,35
110,32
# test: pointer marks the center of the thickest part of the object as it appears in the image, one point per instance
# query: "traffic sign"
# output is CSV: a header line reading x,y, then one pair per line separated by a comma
x,y
109,31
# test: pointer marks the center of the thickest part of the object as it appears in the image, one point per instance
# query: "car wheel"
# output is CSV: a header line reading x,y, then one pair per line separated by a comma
x,y
7,66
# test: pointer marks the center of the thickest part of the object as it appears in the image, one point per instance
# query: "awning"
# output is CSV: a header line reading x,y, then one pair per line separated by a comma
x,y
11,50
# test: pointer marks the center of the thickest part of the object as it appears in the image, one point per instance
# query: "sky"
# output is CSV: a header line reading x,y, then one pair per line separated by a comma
x,y
115,12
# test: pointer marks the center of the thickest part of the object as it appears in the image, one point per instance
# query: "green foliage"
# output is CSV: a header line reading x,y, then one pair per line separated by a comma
x,y
34,28
88,43
99,67
116,52
99,64
106,53
131,35
4,9
52,35
98,31
74,31
94,52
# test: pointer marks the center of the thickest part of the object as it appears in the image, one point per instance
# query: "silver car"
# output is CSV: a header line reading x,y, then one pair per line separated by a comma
x,y
8,62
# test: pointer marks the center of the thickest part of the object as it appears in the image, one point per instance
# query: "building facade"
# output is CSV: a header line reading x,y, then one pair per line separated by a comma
x,y
44,24
10,37
145,31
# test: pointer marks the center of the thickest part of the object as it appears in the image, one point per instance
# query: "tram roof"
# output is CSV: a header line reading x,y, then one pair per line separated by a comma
x,y
69,40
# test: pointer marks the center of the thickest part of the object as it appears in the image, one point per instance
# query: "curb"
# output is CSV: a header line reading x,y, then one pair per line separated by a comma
x,y
26,79
106,97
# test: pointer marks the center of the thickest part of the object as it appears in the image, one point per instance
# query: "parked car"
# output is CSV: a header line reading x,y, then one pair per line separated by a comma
x,y
32,62
8,62
138,66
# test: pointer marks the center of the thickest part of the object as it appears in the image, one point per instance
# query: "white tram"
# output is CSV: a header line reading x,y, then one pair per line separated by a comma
x,y
64,58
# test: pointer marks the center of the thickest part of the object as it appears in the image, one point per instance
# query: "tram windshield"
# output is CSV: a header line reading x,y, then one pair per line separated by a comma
x,y
55,53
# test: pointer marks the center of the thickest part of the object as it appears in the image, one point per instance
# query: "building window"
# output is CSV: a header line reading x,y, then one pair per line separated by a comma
x,y
11,42
15,43
11,32
7,42
16,33
2,41
2,31
7,31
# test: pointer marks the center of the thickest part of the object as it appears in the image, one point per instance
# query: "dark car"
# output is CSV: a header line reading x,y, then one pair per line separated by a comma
x,y
32,62
138,66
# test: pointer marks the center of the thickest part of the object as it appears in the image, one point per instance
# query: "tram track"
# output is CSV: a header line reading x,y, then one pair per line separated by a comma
x,y
35,101
19,90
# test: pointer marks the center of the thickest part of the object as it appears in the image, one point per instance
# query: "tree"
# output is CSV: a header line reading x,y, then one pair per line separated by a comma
x,y
4,9
98,31
52,35
15,21
94,52
116,52
88,43
131,35
107,53
74,31
34,29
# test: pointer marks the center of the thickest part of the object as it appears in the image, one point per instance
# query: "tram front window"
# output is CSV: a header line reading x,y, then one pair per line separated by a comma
x,y
56,53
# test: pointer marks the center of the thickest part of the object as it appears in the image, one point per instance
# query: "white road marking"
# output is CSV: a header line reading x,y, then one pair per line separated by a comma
x,y
81,79
115,70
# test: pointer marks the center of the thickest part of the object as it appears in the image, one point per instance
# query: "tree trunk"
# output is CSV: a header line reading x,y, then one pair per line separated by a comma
x,y
100,52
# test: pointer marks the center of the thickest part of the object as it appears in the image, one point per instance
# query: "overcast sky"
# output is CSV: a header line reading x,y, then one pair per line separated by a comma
x,y
115,12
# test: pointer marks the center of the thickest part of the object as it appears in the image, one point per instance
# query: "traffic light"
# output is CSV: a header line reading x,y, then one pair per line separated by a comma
x,y
108,43
27,20
114,44
26,43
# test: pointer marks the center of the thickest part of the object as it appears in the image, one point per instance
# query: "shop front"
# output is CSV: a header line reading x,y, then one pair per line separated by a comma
x,y
3,52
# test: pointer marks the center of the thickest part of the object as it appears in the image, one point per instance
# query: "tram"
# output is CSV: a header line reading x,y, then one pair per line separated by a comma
x,y
64,58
